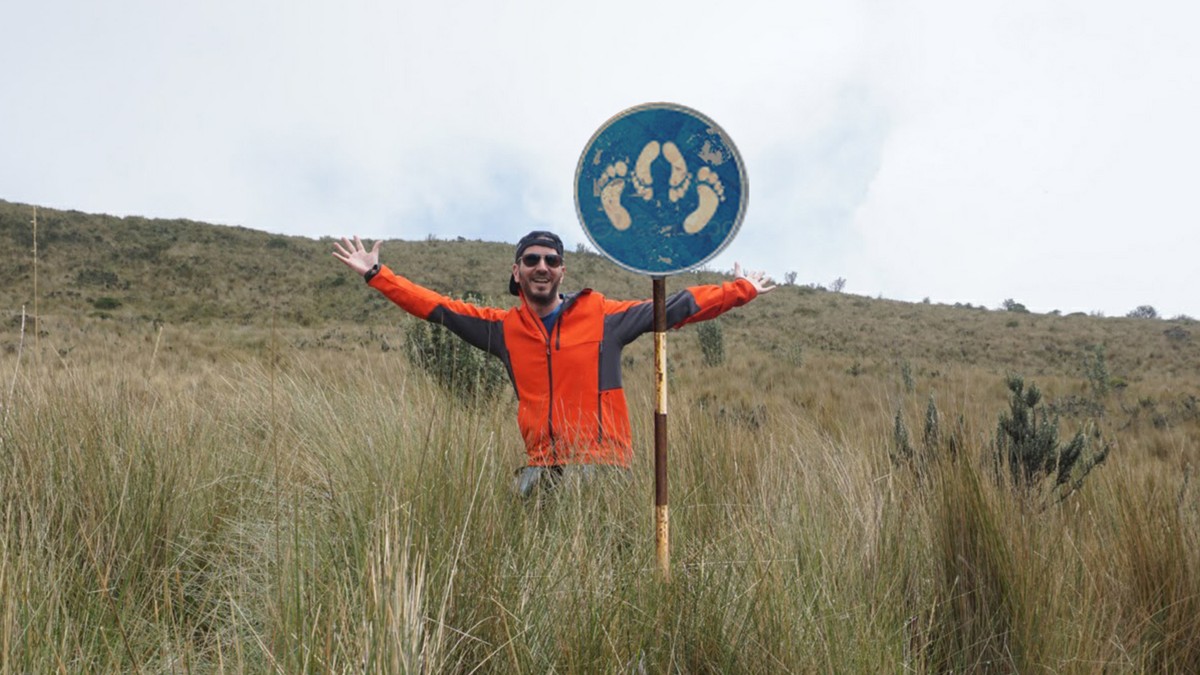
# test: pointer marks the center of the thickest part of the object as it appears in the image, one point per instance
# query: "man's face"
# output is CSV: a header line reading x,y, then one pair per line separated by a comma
x,y
539,282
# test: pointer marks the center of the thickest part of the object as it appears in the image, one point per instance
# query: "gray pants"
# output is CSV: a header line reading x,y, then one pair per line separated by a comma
x,y
531,480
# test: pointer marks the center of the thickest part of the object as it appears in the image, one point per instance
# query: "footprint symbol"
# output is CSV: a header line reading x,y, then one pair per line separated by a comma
x,y
616,176
710,194
611,184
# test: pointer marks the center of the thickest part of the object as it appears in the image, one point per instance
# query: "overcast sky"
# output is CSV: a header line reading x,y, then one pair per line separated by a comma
x,y
956,151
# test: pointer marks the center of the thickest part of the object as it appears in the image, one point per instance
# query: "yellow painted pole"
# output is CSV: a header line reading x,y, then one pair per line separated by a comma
x,y
662,537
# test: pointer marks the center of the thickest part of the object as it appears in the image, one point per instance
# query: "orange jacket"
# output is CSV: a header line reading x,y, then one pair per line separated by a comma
x,y
571,408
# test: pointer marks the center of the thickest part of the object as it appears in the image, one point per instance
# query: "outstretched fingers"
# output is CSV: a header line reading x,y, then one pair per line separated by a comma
x,y
355,255
762,283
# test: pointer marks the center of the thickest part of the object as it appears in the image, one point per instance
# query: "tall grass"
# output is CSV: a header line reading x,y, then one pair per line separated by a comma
x,y
191,501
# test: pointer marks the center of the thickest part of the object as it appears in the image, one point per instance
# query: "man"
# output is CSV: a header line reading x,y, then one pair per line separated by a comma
x,y
562,352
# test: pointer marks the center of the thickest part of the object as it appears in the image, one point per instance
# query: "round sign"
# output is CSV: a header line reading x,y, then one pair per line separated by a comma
x,y
660,189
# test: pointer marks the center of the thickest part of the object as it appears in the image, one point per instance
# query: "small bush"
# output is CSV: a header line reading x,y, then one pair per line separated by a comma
x,y
1095,368
106,302
712,343
906,376
1027,445
470,374
91,276
1143,312
1011,305
1177,334
902,451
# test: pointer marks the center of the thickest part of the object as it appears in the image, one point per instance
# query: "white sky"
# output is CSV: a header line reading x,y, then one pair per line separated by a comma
x,y
960,151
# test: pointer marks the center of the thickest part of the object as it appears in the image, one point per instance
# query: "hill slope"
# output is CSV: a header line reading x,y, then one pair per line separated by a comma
x,y
181,271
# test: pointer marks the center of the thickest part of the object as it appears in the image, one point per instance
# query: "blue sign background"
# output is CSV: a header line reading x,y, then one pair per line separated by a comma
x,y
660,189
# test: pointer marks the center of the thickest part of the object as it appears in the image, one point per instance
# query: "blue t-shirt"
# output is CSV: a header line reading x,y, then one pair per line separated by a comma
x,y
550,319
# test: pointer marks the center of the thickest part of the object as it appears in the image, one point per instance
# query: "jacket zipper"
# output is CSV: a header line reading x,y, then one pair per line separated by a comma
x,y
550,377
599,392
550,365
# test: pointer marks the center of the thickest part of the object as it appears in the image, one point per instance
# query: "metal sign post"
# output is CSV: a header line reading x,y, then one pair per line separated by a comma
x,y
662,530
660,189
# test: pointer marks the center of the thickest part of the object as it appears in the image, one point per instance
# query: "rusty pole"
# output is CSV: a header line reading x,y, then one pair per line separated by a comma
x,y
662,537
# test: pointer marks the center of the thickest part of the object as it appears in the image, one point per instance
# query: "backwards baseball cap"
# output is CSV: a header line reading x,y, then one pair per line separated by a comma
x,y
535,238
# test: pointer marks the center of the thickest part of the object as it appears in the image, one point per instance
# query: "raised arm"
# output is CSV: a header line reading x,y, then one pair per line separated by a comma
x,y
626,320
478,325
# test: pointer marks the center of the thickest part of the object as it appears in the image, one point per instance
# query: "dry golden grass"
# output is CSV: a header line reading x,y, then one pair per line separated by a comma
x,y
273,488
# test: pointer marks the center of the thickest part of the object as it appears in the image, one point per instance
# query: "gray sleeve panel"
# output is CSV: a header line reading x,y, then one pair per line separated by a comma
x,y
610,361
481,333
621,328
680,306
626,326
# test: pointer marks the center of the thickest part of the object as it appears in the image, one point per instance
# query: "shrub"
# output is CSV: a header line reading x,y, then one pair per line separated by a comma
x,y
1095,369
902,451
1027,444
1177,334
938,440
91,276
106,302
712,343
470,374
932,434
1011,305
1143,312
906,376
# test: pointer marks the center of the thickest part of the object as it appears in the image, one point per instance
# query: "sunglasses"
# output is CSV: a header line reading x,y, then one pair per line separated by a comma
x,y
553,260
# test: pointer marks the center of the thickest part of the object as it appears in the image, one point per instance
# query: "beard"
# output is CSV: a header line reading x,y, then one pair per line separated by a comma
x,y
541,298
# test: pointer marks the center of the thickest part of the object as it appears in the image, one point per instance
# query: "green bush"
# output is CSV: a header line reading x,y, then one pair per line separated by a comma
x,y
906,376
106,302
1010,305
470,374
1027,445
712,343
1095,368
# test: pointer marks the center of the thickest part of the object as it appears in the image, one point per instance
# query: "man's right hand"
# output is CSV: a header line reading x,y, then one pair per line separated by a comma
x,y
356,256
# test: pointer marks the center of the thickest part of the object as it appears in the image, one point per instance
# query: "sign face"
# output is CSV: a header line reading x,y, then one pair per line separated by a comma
x,y
660,189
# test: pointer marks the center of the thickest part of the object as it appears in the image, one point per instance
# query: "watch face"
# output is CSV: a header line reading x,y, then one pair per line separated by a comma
x,y
660,189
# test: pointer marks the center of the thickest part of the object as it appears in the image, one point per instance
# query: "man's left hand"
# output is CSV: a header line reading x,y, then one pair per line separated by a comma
x,y
761,282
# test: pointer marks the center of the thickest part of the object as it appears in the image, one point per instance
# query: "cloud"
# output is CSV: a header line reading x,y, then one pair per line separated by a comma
x,y
1029,156
962,151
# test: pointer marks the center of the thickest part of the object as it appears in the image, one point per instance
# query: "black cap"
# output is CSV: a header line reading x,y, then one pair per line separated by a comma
x,y
535,238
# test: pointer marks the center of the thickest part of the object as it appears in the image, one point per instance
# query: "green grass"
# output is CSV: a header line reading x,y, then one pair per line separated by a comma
x,y
269,487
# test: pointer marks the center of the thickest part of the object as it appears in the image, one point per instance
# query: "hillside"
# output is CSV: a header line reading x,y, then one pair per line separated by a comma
x,y
185,272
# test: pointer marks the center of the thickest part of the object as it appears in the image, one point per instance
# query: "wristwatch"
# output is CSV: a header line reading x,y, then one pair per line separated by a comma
x,y
371,273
